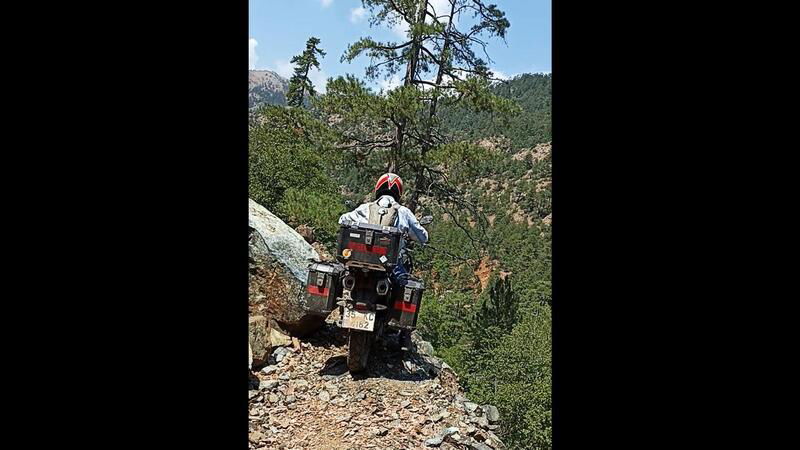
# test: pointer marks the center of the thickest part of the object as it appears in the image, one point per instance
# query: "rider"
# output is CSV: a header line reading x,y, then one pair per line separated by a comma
x,y
388,191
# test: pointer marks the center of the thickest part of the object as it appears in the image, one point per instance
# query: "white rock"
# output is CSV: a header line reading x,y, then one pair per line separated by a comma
x,y
324,396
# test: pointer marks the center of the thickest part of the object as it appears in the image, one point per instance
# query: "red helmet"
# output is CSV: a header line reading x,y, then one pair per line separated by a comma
x,y
389,184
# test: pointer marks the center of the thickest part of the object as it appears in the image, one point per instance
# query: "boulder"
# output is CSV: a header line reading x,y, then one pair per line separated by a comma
x,y
492,413
440,436
278,339
470,407
279,259
258,328
267,385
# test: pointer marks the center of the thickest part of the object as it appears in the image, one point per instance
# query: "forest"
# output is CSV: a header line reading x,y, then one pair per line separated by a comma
x,y
474,152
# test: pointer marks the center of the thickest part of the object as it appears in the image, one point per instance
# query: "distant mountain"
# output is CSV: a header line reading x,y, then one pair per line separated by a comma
x,y
267,88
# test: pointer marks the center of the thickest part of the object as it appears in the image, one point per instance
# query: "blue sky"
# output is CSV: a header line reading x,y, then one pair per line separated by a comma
x,y
278,30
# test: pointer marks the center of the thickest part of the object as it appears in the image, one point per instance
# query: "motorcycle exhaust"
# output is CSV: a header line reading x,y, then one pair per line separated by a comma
x,y
382,288
349,282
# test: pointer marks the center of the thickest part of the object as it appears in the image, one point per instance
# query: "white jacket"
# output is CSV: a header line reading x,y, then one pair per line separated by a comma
x,y
406,221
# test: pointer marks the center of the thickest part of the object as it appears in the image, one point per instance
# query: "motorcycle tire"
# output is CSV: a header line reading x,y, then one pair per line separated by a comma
x,y
359,345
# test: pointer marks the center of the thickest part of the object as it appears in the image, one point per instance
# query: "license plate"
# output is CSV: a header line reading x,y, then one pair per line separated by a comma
x,y
358,320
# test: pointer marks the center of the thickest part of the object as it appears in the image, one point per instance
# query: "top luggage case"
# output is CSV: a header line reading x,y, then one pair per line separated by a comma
x,y
368,245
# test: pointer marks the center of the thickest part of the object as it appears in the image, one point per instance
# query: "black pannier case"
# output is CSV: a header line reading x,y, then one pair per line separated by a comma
x,y
323,287
369,244
405,304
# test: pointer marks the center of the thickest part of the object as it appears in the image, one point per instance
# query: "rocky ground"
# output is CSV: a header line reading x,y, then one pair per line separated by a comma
x,y
305,398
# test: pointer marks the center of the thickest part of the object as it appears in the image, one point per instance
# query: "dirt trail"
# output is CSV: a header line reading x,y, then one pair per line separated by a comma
x,y
306,399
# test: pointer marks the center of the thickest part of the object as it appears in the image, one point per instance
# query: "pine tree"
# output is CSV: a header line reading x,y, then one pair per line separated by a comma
x,y
496,314
439,65
300,85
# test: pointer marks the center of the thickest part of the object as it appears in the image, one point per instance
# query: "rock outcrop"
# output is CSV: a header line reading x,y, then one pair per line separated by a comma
x,y
279,259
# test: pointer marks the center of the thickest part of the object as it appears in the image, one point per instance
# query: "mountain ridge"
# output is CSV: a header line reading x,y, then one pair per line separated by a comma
x,y
266,87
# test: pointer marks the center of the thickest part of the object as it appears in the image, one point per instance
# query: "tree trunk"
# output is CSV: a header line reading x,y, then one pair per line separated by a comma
x,y
303,89
411,69
419,181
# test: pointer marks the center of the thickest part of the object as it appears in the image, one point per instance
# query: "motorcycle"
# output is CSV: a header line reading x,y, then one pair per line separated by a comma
x,y
372,301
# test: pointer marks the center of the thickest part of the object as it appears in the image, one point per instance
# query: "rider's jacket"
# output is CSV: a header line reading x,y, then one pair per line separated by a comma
x,y
406,221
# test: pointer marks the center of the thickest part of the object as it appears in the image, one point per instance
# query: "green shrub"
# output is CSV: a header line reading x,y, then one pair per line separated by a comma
x,y
318,210
291,165
502,353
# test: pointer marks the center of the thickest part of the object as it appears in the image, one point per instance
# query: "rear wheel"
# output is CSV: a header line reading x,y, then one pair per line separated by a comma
x,y
359,344
405,341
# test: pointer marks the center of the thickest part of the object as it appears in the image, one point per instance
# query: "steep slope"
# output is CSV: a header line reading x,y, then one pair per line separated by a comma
x,y
533,126
522,191
267,88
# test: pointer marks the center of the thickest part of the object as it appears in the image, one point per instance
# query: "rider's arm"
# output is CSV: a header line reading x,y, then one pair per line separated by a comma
x,y
358,215
415,230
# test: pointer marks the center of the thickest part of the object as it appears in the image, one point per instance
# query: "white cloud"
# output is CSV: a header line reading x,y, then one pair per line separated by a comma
x,y
252,56
390,84
500,74
284,68
326,3
400,29
536,69
319,79
357,14
440,8
446,80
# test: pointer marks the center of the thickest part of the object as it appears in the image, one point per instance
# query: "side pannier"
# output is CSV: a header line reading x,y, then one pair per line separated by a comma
x,y
323,287
405,304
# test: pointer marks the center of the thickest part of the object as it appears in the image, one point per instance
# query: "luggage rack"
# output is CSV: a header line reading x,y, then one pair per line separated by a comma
x,y
373,227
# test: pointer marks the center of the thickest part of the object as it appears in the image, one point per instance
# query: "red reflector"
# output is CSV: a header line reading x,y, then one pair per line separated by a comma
x,y
405,307
364,248
317,290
